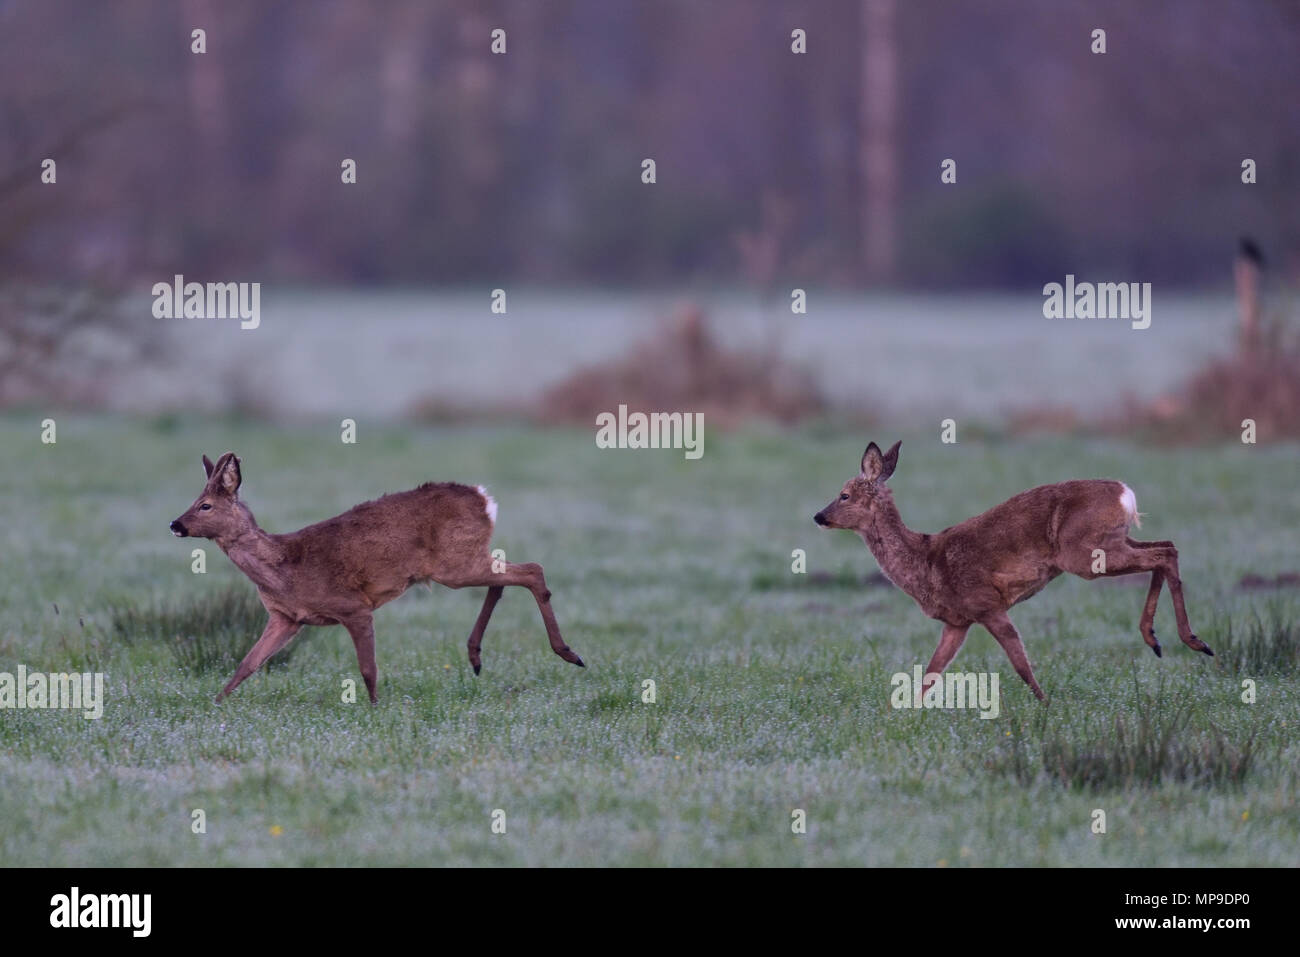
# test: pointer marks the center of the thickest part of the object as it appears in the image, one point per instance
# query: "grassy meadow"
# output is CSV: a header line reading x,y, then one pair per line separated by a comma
x,y
773,688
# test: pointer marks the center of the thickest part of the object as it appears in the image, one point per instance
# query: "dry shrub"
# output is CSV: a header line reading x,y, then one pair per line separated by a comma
x,y
62,344
1253,383
683,368
1043,418
1258,381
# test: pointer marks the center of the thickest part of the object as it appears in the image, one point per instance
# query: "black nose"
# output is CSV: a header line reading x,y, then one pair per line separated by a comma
x,y
819,518
177,528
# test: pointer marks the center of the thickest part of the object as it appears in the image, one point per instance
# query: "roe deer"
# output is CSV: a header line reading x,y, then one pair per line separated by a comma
x,y
975,571
340,570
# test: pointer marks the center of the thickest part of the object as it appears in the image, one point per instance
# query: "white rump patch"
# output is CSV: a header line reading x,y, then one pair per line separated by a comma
x,y
490,504
1130,504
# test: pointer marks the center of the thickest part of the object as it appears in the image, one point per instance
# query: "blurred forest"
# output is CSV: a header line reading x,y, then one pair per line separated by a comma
x,y
526,166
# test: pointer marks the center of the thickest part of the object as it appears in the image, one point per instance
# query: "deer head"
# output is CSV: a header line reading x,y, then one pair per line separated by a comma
x,y
217,513
861,494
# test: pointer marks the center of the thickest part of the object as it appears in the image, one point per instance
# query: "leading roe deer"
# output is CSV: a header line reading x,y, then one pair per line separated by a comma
x,y
340,570
975,571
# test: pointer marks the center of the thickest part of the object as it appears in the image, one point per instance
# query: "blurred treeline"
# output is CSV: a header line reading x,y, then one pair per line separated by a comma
x,y
770,165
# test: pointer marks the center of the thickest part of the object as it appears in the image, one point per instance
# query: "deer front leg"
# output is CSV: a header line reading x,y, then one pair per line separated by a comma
x,y
949,643
1001,628
362,629
278,632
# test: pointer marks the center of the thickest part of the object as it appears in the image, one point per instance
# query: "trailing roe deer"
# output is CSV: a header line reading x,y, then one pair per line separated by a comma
x,y
340,570
975,571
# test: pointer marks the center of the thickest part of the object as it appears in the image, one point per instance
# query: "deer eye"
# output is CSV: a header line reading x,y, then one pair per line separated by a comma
x,y
844,496
204,507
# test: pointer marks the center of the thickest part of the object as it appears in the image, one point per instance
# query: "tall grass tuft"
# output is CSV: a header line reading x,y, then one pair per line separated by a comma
x,y
1153,744
210,632
1260,646
1147,752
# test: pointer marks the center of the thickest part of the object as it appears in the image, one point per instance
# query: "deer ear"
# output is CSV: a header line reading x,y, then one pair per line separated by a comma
x,y
890,462
872,462
225,474
207,467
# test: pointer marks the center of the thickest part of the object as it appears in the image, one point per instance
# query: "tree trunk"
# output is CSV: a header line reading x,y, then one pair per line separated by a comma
x,y
879,140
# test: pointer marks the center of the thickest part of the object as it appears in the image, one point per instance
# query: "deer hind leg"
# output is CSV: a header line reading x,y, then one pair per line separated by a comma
x,y
480,626
497,575
530,576
279,632
1180,610
1001,628
949,643
1146,625
362,630
1161,559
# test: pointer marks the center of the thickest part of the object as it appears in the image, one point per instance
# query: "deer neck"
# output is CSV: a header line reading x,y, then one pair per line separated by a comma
x,y
255,553
899,551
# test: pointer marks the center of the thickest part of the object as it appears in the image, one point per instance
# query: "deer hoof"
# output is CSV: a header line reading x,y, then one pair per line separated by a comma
x,y
477,669
578,661
1156,649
